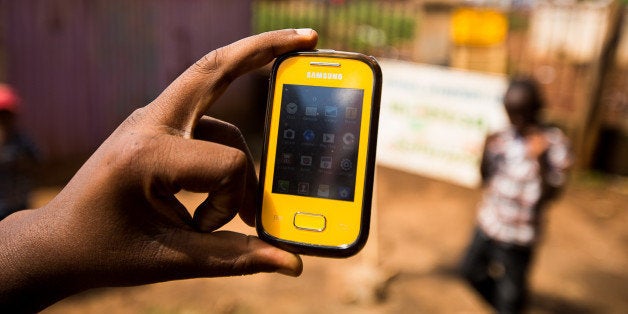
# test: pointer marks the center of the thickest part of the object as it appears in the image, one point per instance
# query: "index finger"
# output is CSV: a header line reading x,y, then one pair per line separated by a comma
x,y
183,102
214,130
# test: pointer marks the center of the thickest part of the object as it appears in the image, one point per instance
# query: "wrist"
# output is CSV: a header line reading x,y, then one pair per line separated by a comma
x,y
34,274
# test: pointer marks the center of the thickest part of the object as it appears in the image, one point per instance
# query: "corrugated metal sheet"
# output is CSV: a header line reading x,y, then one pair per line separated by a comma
x,y
82,66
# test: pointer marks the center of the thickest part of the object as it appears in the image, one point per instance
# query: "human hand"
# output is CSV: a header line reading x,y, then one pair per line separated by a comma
x,y
118,223
536,144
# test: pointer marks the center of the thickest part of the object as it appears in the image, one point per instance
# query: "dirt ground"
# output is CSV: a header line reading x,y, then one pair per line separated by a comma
x,y
409,263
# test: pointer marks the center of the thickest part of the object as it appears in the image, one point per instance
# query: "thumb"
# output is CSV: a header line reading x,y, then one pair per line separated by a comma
x,y
190,95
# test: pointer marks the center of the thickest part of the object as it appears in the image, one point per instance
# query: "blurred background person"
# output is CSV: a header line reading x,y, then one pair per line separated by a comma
x,y
522,169
18,156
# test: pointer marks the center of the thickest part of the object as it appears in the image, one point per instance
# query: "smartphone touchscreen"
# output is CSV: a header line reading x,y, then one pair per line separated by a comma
x,y
319,130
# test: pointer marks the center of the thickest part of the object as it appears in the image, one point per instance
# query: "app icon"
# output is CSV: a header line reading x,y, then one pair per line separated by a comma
x,y
323,190
328,138
306,160
286,158
331,111
310,110
344,192
308,135
283,185
346,164
325,162
288,134
303,188
348,139
292,108
351,113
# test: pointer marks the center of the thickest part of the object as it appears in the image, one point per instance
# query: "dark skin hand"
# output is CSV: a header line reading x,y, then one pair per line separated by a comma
x,y
118,223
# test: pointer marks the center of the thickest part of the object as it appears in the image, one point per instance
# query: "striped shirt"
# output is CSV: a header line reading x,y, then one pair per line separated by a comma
x,y
512,201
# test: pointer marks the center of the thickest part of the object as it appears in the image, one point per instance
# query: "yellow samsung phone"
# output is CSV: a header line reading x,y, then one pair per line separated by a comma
x,y
316,177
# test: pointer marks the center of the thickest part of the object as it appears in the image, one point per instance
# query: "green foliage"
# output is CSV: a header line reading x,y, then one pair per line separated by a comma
x,y
271,15
355,24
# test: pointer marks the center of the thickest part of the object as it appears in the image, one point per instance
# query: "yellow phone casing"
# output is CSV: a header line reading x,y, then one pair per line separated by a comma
x,y
315,225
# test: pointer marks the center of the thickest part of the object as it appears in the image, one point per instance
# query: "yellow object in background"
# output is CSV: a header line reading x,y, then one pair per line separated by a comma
x,y
478,27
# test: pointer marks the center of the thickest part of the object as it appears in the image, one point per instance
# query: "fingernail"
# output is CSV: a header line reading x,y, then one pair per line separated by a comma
x,y
304,31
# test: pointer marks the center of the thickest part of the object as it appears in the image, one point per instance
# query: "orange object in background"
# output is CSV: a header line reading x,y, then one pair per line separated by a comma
x,y
478,27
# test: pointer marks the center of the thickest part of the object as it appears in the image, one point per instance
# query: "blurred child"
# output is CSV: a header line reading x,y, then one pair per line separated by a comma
x,y
17,156
522,169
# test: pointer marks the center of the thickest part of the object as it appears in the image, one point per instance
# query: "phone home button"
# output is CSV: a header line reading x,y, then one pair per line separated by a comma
x,y
310,222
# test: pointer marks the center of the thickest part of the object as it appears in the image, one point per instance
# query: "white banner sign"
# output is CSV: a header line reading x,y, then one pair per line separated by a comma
x,y
434,120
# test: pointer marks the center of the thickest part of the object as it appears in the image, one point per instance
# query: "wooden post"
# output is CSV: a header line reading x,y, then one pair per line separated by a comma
x,y
593,121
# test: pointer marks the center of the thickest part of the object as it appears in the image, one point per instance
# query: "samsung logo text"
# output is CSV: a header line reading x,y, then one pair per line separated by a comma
x,y
324,75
